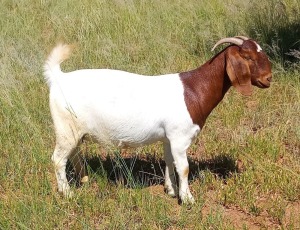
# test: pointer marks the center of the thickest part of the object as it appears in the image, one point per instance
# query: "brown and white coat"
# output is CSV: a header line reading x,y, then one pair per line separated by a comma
x,y
126,109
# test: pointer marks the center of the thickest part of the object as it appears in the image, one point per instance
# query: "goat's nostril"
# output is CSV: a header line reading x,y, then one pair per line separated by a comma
x,y
269,79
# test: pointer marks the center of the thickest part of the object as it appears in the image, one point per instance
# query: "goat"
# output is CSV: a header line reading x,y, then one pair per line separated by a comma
x,y
127,109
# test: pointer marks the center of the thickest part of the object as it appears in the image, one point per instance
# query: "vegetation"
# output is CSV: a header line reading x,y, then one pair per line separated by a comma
x,y
245,165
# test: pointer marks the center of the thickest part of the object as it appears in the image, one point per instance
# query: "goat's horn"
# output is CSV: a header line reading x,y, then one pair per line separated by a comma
x,y
236,41
242,37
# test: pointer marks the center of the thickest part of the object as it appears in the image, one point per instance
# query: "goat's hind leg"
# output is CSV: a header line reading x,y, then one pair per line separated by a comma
x,y
170,179
60,157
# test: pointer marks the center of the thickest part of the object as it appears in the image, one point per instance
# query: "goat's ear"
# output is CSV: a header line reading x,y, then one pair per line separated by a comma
x,y
238,71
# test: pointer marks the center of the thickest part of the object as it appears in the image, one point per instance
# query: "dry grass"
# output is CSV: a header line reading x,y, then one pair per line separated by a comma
x,y
245,165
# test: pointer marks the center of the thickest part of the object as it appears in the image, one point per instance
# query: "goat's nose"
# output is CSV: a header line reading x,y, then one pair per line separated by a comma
x,y
269,78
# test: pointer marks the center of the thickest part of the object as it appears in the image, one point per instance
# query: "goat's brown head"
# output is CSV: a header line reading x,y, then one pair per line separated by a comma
x,y
246,64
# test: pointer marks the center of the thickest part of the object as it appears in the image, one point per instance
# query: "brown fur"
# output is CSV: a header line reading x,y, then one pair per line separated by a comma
x,y
240,66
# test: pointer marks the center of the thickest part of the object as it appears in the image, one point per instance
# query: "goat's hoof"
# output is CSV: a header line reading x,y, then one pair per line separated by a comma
x,y
187,200
170,192
67,193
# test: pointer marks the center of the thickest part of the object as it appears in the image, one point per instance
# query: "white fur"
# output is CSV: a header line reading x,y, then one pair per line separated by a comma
x,y
120,108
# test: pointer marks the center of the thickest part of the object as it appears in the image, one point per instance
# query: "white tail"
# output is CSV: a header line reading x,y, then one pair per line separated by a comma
x,y
52,66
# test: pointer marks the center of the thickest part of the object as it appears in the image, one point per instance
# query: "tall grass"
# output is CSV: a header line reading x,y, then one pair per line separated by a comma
x,y
279,28
149,37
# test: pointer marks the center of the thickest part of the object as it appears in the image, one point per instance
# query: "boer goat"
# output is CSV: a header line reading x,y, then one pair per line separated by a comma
x,y
129,110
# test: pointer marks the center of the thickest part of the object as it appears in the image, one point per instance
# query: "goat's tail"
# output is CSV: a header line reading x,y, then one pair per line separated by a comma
x,y
52,66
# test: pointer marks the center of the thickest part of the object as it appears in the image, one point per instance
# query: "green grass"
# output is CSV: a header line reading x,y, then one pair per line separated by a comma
x,y
261,132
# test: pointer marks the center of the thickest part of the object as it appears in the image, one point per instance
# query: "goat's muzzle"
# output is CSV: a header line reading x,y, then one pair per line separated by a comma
x,y
264,82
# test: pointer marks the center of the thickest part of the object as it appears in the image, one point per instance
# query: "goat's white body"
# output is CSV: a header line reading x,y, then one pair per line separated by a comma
x,y
119,107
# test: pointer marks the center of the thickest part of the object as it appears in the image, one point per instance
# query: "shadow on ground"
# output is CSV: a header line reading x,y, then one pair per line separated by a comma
x,y
144,171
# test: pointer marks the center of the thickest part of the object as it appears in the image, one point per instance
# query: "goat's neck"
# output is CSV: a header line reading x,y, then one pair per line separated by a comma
x,y
205,87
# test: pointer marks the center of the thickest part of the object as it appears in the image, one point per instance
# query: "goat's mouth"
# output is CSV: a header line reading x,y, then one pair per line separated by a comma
x,y
263,84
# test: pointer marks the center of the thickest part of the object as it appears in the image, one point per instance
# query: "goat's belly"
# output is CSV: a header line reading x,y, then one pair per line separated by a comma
x,y
127,134
136,141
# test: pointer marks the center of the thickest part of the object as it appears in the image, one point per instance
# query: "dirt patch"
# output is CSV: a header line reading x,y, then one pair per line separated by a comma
x,y
292,215
241,219
235,216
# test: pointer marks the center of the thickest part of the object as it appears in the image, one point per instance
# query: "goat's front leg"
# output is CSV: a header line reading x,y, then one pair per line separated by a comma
x,y
170,179
182,167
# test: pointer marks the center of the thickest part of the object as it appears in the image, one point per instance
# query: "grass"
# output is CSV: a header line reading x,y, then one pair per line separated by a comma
x,y
245,165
